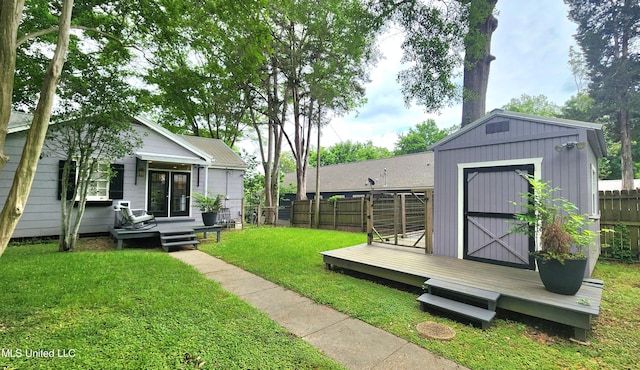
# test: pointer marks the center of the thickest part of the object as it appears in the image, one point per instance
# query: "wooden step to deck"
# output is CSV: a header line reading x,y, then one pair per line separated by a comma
x,y
460,299
178,238
462,309
437,286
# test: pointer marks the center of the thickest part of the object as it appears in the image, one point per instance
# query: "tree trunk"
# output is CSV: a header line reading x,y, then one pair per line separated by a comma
x,y
627,165
23,178
477,59
10,15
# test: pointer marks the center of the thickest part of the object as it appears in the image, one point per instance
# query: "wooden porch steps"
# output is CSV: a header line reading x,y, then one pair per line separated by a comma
x,y
178,238
461,300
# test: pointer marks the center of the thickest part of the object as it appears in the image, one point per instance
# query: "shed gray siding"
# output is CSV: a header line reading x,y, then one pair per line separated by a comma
x,y
526,142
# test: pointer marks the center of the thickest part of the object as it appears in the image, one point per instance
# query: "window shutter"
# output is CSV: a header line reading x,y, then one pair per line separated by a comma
x,y
116,185
72,179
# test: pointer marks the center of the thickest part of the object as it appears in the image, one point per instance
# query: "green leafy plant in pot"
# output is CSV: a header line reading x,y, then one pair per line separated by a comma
x,y
564,236
209,205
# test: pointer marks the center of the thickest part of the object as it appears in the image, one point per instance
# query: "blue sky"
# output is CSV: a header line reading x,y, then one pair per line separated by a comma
x,y
531,46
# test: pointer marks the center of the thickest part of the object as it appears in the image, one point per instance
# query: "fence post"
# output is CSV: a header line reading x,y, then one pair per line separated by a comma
x,y
396,217
363,221
428,221
370,219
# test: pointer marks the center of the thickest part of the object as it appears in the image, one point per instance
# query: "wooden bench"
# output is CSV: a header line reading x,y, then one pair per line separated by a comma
x,y
465,292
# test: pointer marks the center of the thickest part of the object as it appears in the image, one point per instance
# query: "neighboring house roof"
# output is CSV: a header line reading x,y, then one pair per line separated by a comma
x,y
224,156
404,172
595,133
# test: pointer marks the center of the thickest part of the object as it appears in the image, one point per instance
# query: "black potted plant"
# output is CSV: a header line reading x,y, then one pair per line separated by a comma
x,y
209,205
564,236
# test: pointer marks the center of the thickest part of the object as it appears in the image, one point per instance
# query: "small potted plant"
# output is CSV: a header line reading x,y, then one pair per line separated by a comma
x,y
564,236
209,205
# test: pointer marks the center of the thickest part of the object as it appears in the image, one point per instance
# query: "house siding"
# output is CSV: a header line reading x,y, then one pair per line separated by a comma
x,y
41,217
526,141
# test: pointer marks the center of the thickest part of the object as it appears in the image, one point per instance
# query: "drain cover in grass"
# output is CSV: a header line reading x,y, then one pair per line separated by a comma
x,y
434,330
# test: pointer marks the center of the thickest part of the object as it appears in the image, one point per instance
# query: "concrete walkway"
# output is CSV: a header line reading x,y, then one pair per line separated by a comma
x,y
351,342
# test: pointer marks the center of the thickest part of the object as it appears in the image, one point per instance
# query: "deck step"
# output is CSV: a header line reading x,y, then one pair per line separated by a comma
x,y
459,308
490,298
178,238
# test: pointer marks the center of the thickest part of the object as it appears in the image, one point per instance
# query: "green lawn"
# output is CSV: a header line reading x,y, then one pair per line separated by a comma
x,y
290,257
131,309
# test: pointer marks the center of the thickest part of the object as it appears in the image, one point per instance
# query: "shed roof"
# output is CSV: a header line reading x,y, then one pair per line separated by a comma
x,y
596,136
404,172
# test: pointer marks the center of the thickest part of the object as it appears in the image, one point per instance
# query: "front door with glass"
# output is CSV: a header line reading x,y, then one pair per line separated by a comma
x,y
169,193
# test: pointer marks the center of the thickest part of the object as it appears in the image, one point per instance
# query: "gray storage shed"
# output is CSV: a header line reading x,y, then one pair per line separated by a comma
x,y
478,171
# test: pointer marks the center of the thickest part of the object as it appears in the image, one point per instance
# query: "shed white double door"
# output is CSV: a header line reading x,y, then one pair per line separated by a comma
x,y
488,214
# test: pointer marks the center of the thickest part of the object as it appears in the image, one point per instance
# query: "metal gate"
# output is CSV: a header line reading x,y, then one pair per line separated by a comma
x,y
487,212
400,219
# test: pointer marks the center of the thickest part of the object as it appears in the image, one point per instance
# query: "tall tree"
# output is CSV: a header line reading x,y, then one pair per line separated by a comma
x,y
608,35
477,58
436,34
203,61
93,130
326,46
10,17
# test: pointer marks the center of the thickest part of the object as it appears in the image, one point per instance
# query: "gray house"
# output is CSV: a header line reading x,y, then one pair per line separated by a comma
x,y
160,177
478,171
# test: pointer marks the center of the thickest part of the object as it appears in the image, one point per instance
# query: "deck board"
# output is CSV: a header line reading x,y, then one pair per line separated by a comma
x,y
163,227
521,290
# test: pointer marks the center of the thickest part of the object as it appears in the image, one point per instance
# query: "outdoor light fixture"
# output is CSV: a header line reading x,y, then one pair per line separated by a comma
x,y
570,145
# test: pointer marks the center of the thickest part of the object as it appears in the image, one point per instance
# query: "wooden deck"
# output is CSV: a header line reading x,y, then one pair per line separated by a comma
x,y
520,290
164,228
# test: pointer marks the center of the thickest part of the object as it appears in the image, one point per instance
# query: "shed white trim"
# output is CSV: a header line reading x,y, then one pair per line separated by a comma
x,y
537,173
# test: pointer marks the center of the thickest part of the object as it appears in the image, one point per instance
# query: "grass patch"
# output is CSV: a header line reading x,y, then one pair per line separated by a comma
x,y
290,257
132,309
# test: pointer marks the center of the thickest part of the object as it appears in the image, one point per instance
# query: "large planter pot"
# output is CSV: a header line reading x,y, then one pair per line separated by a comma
x,y
209,218
562,278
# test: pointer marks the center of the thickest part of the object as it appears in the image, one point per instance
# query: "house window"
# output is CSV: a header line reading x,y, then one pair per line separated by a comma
x,y
101,186
99,183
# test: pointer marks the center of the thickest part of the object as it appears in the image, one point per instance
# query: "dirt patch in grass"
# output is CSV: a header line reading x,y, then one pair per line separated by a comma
x,y
98,243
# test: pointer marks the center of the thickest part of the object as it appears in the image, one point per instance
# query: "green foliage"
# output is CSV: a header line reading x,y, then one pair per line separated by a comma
x,y
347,152
431,35
418,139
619,245
208,202
205,60
538,105
608,34
507,344
116,310
564,233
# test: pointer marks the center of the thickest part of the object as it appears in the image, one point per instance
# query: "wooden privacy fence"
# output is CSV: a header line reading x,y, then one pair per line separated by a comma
x,y
346,214
394,218
620,208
